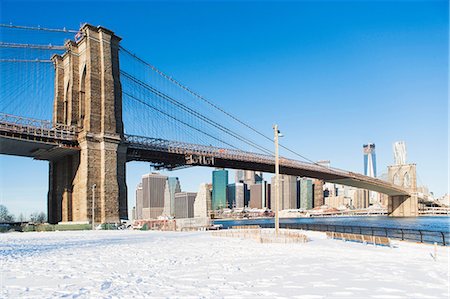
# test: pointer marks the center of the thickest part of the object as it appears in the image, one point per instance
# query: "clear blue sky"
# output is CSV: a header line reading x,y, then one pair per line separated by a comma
x,y
340,73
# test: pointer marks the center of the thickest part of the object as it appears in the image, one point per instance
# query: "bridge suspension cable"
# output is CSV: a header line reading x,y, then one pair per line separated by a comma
x,y
31,46
62,30
195,113
26,60
210,103
178,120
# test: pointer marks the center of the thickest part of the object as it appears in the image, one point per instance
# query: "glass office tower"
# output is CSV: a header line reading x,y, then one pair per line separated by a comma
x,y
219,191
370,161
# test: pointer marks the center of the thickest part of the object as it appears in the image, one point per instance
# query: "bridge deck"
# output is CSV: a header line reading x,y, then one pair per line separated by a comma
x,y
46,142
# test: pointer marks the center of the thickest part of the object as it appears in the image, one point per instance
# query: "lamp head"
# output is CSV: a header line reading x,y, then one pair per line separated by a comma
x,y
280,134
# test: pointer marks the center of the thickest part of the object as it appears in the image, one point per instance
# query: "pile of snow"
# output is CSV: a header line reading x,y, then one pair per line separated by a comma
x,y
143,264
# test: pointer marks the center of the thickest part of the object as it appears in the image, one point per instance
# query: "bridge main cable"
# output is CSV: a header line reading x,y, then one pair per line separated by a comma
x,y
63,30
31,46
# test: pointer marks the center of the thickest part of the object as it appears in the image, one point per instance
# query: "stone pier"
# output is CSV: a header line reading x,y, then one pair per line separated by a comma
x,y
88,95
406,177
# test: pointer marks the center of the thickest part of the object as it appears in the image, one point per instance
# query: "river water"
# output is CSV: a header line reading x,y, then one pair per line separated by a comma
x,y
441,224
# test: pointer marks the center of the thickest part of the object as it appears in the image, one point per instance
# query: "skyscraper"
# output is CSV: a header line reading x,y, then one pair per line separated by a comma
x,y
153,186
172,187
318,198
239,176
139,201
231,195
370,162
288,192
399,153
306,193
202,203
184,204
219,192
248,177
370,168
257,196
240,195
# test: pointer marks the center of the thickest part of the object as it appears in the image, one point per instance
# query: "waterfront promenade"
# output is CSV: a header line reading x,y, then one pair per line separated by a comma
x,y
426,229
143,264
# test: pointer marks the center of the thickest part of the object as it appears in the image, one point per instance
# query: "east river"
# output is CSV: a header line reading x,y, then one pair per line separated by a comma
x,y
441,223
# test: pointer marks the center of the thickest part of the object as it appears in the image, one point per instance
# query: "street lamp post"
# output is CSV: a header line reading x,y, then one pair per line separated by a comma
x,y
277,178
93,206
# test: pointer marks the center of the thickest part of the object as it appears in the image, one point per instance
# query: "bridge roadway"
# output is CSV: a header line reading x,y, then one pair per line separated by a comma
x,y
44,141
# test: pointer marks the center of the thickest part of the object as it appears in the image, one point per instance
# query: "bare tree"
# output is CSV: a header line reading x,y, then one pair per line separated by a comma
x,y
42,217
21,218
37,217
5,216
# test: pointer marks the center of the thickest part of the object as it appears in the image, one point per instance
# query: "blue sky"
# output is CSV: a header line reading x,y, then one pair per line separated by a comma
x,y
333,75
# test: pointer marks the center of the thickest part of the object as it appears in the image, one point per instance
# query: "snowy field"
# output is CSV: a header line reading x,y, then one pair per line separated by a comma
x,y
147,264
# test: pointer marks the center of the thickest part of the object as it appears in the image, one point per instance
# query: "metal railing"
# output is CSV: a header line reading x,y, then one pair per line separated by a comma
x,y
36,128
46,129
435,211
184,148
223,153
415,235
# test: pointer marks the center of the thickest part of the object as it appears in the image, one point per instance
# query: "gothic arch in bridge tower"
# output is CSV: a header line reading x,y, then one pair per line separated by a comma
x,y
405,177
88,94
82,97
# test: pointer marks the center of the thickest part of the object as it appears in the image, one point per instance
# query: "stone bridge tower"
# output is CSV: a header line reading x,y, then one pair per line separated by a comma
x,y
88,95
406,177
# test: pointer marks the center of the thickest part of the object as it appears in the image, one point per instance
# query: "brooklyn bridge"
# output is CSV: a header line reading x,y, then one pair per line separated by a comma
x,y
106,113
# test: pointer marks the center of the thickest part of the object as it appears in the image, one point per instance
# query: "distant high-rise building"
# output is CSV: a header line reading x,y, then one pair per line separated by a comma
x,y
361,199
257,196
172,187
259,177
133,214
240,195
139,201
231,195
306,193
399,148
370,162
239,176
268,192
153,186
219,192
288,192
236,195
184,204
318,195
202,203
248,177
370,168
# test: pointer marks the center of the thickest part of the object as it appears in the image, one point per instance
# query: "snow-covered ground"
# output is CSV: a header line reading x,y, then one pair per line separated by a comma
x,y
147,264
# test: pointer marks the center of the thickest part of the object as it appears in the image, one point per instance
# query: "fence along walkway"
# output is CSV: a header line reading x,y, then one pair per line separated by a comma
x,y
384,241
421,236
263,235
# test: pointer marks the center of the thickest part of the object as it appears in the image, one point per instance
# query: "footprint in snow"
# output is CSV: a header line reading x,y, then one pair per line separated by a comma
x,y
105,285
